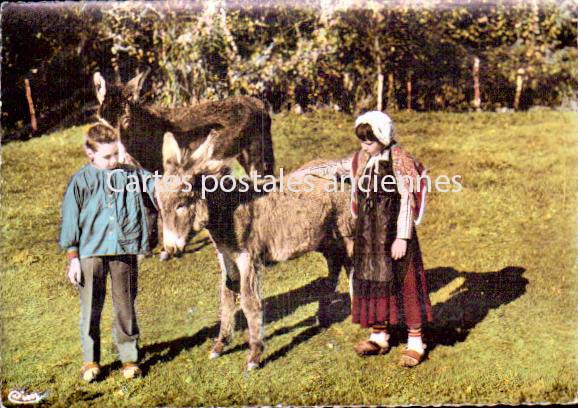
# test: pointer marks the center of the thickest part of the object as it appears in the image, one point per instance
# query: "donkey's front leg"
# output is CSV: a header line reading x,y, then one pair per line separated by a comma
x,y
252,308
164,255
229,289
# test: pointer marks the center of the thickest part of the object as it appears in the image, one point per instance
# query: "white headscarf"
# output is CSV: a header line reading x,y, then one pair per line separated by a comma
x,y
382,127
380,123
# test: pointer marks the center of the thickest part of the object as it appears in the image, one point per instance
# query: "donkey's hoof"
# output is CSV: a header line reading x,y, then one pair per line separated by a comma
x,y
252,366
255,355
217,349
164,256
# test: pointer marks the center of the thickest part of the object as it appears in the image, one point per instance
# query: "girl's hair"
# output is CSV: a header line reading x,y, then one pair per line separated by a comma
x,y
365,133
99,134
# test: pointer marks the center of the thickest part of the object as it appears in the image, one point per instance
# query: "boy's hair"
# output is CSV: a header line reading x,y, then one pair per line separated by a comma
x,y
99,134
364,132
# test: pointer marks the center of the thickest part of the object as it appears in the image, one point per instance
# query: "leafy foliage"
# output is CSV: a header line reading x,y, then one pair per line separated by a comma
x,y
331,56
325,55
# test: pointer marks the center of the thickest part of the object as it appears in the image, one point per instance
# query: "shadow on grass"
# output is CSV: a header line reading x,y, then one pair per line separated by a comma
x,y
78,396
282,305
196,246
470,303
168,350
454,318
276,308
191,248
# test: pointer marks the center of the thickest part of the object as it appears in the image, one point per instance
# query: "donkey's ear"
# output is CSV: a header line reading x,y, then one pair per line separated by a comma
x,y
206,149
134,86
99,87
171,150
202,160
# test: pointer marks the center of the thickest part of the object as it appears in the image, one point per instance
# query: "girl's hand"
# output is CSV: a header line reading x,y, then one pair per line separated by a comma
x,y
398,248
74,271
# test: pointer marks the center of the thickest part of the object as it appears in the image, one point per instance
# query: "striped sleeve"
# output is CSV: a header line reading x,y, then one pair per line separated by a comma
x,y
405,218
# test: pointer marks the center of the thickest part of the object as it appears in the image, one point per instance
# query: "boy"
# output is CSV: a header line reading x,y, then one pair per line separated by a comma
x,y
103,230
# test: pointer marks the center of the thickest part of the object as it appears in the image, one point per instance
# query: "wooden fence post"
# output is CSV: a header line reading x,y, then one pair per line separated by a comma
x,y
379,74
519,86
30,105
409,92
379,90
477,98
391,103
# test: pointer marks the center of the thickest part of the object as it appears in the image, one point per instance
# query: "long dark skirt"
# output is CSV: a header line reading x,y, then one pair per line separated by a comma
x,y
405,299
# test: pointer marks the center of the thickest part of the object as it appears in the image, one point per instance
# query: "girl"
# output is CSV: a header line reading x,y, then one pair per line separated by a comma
x,y
388,275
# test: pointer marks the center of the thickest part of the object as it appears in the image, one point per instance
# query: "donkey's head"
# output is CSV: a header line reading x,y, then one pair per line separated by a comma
x,y
115,99
184,209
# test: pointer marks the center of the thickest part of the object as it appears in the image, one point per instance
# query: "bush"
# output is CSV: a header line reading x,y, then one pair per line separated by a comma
x,y
289,55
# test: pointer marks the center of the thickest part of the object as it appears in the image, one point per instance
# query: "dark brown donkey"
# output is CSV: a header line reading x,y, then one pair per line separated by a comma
x,y
251,228
242,122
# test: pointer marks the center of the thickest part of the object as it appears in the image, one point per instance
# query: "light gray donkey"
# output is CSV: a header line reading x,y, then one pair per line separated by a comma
x,y
250,229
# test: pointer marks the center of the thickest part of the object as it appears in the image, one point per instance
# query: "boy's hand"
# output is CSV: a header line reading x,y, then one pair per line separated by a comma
x,y
398,248
74,275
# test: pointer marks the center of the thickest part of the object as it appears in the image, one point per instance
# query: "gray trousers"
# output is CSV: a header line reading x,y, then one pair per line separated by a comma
x,y
123,275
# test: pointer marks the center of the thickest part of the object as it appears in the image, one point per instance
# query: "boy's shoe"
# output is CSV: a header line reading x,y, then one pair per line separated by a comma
x,y
90,371
130,371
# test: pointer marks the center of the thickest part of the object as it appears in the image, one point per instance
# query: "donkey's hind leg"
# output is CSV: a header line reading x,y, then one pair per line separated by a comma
x,y
229,290
247,162
335,262
258,157
263,152
349,264
261,159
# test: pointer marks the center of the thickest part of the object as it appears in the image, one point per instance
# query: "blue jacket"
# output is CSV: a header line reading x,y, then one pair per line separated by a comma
x,y
103,211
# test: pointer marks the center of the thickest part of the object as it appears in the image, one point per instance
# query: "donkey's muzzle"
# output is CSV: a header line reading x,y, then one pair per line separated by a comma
x,y
174,245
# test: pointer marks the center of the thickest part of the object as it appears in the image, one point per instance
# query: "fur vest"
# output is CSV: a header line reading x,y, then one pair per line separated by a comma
x,y
407,171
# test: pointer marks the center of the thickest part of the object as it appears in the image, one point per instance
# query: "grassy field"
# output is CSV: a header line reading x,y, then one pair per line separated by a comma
x,y
500,256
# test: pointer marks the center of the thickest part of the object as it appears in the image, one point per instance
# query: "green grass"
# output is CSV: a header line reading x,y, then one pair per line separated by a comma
x,y
501,256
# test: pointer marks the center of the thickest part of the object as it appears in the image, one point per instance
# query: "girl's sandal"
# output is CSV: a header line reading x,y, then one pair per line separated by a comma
x,y
130,371
411,358
369,348
90,371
